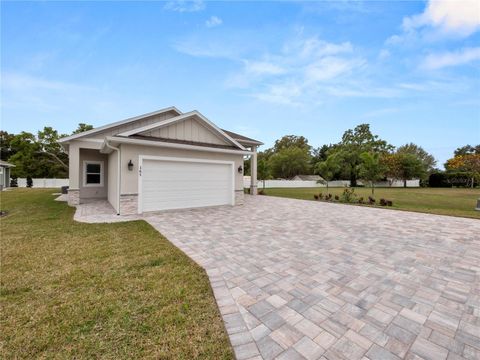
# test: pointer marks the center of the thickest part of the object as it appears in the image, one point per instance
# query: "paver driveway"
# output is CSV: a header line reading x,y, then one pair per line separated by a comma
x,y
301,279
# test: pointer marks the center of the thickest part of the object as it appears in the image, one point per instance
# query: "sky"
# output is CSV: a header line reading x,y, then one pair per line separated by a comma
x,y
410,69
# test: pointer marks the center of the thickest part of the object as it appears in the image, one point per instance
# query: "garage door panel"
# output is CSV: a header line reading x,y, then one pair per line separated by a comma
x,y
184,184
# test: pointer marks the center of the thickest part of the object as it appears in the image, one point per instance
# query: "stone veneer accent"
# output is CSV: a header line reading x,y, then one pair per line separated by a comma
x,y
128,204
73,197
239,197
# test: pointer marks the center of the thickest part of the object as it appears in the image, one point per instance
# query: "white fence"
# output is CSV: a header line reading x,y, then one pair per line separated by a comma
x,y
311,184
43,183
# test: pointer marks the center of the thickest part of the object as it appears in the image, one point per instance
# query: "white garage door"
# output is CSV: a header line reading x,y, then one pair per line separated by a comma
x,y
178,184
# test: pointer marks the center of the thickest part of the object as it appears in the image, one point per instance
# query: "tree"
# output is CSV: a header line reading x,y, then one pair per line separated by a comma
x,y
5,145
355,142
321,153
82,127
49,145
468,163
427,159
289,141
263,171
328,168
371,169
409,167
289,162
467,149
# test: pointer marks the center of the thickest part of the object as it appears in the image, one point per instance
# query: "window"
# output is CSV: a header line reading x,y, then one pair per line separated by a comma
x,y
93,173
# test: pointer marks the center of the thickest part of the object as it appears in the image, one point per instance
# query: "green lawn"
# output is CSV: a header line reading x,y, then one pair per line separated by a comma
x,y
112,291
456,202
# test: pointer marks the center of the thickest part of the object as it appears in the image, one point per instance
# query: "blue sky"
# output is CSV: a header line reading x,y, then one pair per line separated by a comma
x,y
410,69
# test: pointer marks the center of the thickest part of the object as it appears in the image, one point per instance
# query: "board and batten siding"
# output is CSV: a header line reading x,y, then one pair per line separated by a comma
x,y
189,129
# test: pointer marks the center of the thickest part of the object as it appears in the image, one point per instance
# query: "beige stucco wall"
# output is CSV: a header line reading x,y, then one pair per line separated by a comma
x,y
112,192
93,191
74,169
132,152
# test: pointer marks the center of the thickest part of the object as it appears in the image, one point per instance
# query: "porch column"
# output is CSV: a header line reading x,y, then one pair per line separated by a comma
x,y
73,175
253,172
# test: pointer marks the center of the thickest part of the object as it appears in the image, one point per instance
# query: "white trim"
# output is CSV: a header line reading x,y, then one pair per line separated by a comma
x,y
102,173
118,123
119,140
175,119
190,160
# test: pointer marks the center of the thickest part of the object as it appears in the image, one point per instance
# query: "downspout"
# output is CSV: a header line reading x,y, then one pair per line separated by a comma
x,y
119,173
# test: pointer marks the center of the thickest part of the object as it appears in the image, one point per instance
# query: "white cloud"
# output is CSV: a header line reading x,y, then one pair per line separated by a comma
x,y
213,21
263,68
384,54
457,17
185,5
438,61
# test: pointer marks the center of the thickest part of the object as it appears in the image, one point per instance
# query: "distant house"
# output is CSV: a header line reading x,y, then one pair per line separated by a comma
x,y
5,174
308,178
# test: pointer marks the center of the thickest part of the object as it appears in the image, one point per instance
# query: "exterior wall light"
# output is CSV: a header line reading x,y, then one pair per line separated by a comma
x,y
240,169
130,165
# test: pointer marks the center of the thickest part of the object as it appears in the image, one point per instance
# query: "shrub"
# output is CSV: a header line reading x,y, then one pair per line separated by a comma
x,y
383,202
14,181
348,195
261,192
360,200
29,182
389,203
371,200
320,196
328,197
315,196
337,197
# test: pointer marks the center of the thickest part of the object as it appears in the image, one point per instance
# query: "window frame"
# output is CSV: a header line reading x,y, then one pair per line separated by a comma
x,y
96,162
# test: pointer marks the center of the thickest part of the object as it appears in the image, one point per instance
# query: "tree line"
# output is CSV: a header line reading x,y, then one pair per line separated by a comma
x,y
362,155
37,155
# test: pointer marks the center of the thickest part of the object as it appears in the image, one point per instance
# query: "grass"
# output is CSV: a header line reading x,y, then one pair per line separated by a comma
x,y
113,291
455,202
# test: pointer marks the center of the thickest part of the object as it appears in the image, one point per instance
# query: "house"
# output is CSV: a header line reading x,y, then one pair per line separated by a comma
x,y
5,174
308,178
158,161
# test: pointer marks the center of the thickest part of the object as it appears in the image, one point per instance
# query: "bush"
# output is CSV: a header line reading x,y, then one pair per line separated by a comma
x,y
337,197
383,202
360,200
261,192
389,203
348,195
315,196
328,197
29,182
371,200
14,181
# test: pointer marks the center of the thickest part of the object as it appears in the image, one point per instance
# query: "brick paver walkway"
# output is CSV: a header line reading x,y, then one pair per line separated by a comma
x,y
307,280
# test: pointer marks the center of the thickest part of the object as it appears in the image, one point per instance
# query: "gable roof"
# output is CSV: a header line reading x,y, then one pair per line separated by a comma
x,y
242,139
118,123
182,117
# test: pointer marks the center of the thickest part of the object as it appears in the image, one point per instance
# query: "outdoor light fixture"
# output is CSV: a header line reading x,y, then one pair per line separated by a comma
x,y
130,165
240,169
